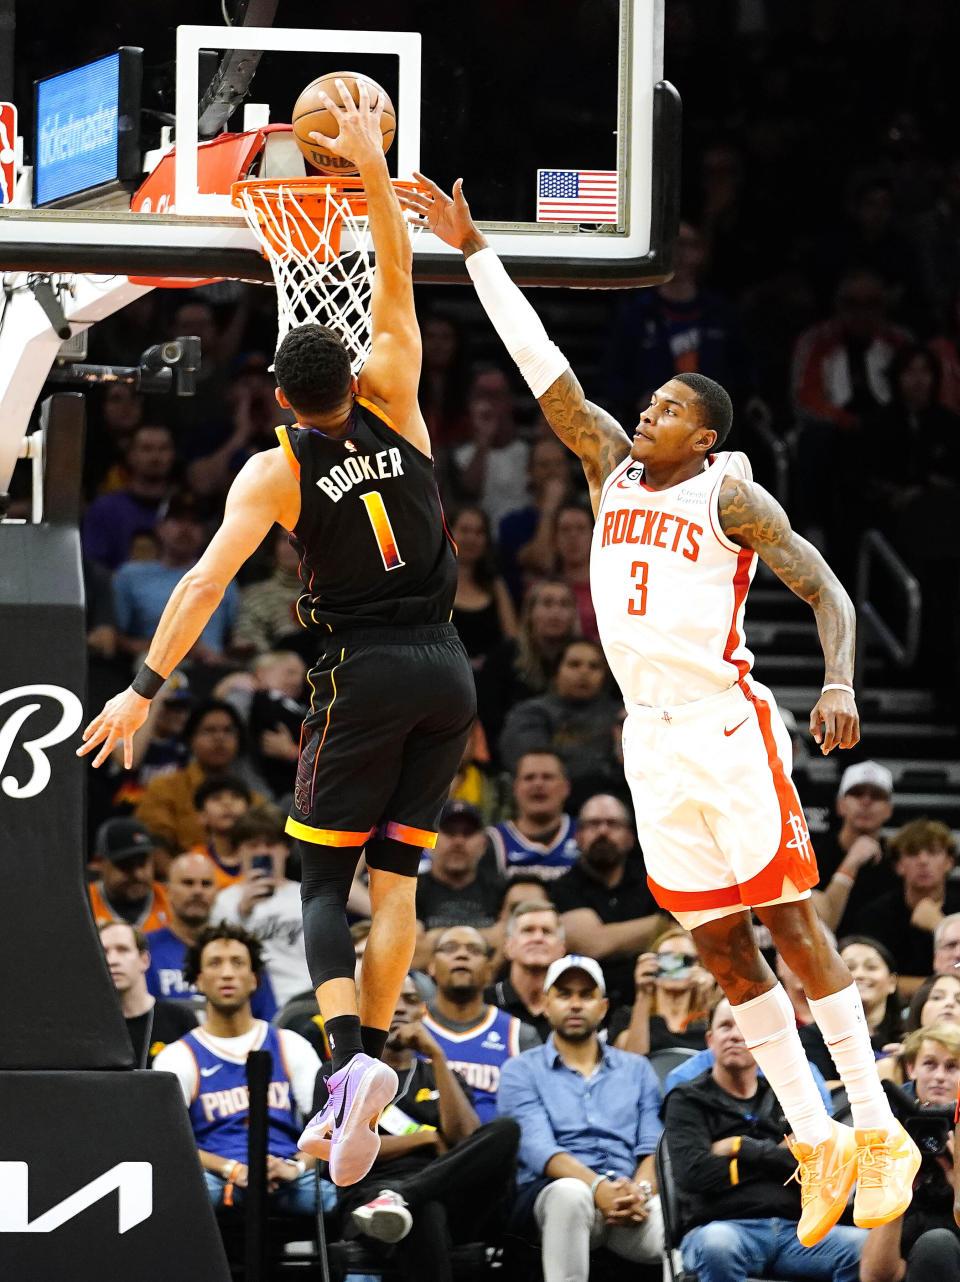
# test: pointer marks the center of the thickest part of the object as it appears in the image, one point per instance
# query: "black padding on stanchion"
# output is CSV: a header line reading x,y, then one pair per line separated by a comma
x,y
59,1132
58,1007
62,421
259,1069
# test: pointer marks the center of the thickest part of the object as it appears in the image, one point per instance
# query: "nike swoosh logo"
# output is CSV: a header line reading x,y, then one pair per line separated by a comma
x,y
207,1072
338,1116
727,733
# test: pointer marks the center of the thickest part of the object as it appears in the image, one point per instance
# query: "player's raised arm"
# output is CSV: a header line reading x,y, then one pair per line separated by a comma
x,y
594,436
265,493
391,374
752,518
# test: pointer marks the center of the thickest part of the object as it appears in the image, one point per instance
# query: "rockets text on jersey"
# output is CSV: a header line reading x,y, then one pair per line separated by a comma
x,y
669,587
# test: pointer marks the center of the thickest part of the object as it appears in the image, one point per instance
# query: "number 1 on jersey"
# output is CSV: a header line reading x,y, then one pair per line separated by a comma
x,y
638,571
382,530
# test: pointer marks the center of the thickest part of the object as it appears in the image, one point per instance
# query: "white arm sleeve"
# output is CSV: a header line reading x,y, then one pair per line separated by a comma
x,y
538,359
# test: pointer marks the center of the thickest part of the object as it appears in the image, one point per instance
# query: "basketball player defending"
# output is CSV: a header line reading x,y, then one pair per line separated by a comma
x,y
392,695
679,528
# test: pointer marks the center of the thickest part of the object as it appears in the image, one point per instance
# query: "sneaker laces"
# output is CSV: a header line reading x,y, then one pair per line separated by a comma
x,y
809,1173
874,1162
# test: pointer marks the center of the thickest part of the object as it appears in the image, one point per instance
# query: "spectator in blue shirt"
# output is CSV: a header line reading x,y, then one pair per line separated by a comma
x,y
141,589
589,1125
191,891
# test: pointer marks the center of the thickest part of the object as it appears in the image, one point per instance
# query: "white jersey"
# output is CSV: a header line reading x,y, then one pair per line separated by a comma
x,y
669,587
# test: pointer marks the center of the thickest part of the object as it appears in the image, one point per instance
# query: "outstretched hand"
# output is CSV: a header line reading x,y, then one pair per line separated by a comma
x,y
360,138
835,722
446,216
120,719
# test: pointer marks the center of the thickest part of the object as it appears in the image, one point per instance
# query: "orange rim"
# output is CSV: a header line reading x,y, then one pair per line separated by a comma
x,y
306,202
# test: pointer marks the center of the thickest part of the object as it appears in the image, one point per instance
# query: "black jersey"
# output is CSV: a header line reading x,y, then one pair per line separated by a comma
x,y
374,548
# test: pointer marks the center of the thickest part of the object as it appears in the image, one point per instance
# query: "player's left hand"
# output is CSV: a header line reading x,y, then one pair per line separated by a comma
x,y
835,722
360,136
121,718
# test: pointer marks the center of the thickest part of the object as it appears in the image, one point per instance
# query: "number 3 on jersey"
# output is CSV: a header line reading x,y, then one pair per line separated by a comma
x,y
638,604
383,530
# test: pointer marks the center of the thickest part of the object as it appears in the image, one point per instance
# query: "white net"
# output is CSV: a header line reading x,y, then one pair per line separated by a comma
x,y
317,238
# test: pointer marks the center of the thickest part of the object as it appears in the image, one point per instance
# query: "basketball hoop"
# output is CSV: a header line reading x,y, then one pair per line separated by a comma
x,y
321,276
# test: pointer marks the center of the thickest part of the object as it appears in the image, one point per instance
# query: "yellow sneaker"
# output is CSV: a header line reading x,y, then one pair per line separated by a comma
x,y
887,1161
826,1172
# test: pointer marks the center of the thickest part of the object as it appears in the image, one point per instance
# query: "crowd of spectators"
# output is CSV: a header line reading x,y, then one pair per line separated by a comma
x,y
831,310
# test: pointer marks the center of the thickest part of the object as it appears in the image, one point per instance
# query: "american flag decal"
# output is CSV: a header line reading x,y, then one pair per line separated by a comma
x,y
577,195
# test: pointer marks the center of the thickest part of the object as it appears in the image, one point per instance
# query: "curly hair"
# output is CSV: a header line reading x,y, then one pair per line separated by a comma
x,y
716,407
313,369
192,962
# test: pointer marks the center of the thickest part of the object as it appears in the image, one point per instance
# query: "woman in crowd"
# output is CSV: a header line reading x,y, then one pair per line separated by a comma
x,y
216,737
936,1001
483,612
522,667
673,998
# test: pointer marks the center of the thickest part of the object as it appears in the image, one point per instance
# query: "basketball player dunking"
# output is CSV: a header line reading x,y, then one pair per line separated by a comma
x,y
392,692
679,527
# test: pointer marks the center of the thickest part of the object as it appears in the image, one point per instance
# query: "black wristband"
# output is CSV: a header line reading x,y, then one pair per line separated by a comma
x,y
147,683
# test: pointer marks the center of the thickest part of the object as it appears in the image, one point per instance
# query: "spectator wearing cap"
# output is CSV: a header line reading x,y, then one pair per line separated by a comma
x,y
905,918
450,892
220,801
854,862
534,940
141,589
589,1126
604,901
126,890
152,1023
215,736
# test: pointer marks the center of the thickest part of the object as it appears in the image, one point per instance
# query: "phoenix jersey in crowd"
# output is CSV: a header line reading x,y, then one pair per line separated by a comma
x,y
669,586
512,850
220,1107
165,975
478,1052
374,549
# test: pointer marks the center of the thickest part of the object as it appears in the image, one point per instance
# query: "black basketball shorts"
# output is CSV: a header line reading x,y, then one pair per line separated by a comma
x,y
390,712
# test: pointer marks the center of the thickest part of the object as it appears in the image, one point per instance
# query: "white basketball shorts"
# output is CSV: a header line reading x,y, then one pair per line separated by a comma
x,y
718,816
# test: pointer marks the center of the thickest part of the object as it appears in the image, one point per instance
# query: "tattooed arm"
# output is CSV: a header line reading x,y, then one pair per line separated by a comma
x,y
598,441
752,518
595,437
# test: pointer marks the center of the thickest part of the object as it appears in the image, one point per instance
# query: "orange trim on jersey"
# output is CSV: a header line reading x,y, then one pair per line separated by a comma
x,y
485,1022
687,901
287,448
741,584
795,858
381,414
326,836
410,836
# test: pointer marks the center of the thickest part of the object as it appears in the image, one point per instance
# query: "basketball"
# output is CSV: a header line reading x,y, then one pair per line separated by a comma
x,y
310,115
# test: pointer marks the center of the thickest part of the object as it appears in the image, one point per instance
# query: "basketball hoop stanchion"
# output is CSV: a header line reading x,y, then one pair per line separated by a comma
x,y
322,275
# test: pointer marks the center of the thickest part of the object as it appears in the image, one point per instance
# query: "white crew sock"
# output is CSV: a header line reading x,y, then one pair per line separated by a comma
x,y
769,1028
844,1026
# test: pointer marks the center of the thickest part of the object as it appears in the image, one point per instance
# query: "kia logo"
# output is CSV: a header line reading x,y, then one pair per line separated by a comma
x,y
71,714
